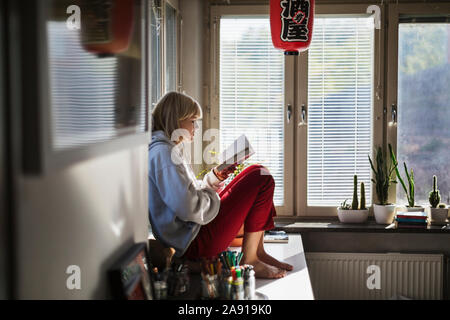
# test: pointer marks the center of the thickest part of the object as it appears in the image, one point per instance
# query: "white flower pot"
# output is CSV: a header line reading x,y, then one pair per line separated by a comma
x,y
384,214
438,215
415,209
353,216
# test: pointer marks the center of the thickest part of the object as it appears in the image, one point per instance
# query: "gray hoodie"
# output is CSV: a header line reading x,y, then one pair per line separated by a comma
x,y
178,203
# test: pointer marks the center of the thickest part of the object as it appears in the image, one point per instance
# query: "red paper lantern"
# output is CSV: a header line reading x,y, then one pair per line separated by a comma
x,y
108,25
291,24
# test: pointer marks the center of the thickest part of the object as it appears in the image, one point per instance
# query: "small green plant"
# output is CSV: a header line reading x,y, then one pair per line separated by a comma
x,y
355,193
345,205
384,175
202,173
363,198
409,176
355,205
435,196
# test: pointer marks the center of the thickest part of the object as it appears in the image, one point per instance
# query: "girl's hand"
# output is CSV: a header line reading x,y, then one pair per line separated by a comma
x,y
222,175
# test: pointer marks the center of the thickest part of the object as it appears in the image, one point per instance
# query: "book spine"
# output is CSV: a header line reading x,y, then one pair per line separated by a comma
x,y
407,226
411,220
412,217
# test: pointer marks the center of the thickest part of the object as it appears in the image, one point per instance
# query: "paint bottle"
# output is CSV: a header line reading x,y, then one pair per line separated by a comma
x,y
249,283
160,290
238,292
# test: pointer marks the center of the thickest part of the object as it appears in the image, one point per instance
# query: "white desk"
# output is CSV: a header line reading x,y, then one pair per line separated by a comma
x,y
296,285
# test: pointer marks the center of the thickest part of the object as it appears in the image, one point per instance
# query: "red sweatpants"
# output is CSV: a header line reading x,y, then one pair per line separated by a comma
x,y
248,200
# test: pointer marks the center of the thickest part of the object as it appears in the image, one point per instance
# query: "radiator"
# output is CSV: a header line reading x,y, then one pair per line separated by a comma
x,y
375,276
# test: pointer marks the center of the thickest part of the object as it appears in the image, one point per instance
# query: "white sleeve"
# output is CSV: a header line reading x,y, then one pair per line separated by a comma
x,y
181,195
210,180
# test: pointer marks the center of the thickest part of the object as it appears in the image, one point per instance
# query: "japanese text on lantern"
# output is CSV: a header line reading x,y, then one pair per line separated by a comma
x,y
294,20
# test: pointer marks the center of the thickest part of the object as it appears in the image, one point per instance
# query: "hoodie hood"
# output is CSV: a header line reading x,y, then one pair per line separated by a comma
x,y
159,137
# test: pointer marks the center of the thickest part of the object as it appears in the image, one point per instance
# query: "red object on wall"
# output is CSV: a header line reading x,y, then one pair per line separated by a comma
x,y
291,24
107,25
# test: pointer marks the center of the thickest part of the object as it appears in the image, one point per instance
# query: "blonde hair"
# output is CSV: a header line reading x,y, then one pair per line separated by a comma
x,y
172,108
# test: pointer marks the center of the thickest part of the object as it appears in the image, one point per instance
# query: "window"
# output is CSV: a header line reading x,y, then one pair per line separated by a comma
x,y
340,86
418,97
171,48
252,93
163,48
313,160
155,52
423,130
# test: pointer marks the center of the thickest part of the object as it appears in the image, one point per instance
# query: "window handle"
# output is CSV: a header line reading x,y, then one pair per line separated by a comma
x,y
289,113
394,113
303,115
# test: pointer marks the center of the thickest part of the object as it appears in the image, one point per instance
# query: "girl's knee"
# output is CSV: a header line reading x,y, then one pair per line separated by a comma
x,y
259,173
257,168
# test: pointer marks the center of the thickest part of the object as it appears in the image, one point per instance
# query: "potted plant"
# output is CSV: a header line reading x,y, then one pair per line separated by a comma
x,y
411,207
438,211
383,177
351,213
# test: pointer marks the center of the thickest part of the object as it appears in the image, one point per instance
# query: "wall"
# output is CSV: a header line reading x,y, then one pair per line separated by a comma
x,y
86,215
193,65
4,272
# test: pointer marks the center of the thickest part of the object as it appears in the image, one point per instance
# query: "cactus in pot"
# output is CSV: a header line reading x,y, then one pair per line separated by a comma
x,y
355,193
435,196
438,211
363,198
354,213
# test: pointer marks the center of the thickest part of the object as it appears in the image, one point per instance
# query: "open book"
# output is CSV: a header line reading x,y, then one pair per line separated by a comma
x,y
236,153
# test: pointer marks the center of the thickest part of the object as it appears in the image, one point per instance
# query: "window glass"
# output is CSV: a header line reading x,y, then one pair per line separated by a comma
x,y
155,54
171,49
423,136
252,93
340,88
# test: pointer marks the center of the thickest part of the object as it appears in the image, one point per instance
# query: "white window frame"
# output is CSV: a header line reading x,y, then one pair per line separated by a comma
x,y
216,12
302,209
392,66
163,44
175,5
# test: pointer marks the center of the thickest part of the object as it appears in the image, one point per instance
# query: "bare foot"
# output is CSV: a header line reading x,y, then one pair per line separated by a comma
x,y
265,271
266,258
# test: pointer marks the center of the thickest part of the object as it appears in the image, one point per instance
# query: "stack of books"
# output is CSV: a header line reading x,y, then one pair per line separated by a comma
x,y
276,237
411,220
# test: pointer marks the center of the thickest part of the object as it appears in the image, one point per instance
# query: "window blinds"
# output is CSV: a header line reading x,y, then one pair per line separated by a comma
x,y
340,86
93,99
171,48
252,92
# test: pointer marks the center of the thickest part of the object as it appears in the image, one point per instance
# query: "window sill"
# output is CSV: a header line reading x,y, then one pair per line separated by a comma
x,y
301,225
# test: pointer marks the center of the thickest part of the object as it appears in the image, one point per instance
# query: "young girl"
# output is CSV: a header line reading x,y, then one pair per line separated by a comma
x,y
199,218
